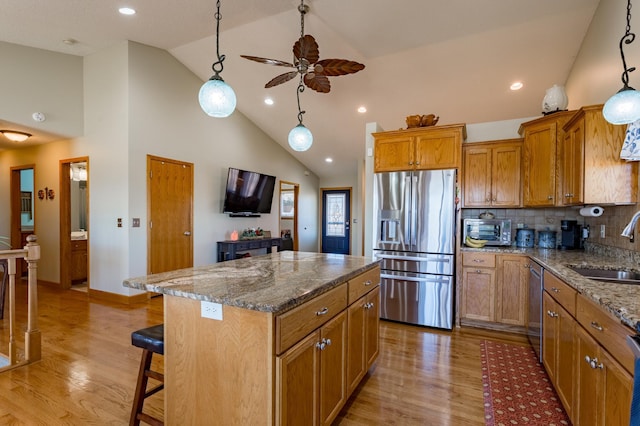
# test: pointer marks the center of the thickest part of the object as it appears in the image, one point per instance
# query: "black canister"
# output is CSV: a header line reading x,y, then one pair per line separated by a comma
x,y
547,239
525,237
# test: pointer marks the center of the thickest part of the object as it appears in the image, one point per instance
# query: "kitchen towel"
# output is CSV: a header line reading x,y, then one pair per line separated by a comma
x,y
631,145
593,211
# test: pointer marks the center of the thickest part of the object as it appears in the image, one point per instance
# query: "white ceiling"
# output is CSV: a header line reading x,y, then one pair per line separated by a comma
x,y
455,59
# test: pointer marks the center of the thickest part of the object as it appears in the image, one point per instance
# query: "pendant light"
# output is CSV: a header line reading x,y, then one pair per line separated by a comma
x,y
216,97
300,138
624,106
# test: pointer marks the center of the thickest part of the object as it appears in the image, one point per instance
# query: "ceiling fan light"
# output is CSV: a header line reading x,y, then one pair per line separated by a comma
x,y
623,107
300,138
15,136
217,98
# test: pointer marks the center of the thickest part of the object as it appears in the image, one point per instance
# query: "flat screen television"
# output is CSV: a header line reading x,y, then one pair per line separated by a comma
x,y
248,193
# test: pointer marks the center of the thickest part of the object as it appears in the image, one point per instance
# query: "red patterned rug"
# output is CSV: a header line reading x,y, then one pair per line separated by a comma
x,y
517,390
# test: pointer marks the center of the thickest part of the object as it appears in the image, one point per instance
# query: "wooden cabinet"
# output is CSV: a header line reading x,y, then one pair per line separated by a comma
x,y
78,268
438,147
541,137
363,320
494,289
591,169
558,334
491,174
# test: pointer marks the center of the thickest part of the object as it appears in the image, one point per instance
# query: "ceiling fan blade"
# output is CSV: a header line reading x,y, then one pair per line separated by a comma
x,y
307,48
319,83
268,61
335,67
282,78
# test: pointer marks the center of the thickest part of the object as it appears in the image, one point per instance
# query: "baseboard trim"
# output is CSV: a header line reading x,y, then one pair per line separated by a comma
x,y
118,298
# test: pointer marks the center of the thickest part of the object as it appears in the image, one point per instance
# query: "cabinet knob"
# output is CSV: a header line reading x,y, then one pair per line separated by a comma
x,y
417,163
555,290
323,311
411,163
322,344
552,314
597,326
478,260
368,283
593,362
549,197
368,305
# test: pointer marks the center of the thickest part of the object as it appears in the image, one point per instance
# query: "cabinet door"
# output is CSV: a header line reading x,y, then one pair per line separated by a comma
x,y
505,176
477,176
512,289
565,358
333,368
549,332
393,153
357,316
588,381
617,392
573,165
372,327
438,149
298,383
478,294
540,164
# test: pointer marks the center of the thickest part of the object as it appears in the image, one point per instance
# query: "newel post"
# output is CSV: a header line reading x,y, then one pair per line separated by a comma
x,y
32,335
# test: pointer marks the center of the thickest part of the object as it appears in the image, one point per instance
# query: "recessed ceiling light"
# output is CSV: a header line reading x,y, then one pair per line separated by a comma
x,y
516,86
127,11
268,101
362,109
329,160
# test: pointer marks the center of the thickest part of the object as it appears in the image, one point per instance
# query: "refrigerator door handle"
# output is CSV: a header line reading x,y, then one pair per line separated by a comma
x,y
407,211
443,259
435,279
414,211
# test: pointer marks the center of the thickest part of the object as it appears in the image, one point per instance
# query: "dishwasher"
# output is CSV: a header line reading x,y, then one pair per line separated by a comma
x,y
534,311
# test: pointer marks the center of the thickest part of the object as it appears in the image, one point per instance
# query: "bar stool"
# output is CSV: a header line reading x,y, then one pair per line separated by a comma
x,y
151,340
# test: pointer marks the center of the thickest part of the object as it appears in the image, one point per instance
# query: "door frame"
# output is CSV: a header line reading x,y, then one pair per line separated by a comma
x,y
348,189
296,192
15,208
65,222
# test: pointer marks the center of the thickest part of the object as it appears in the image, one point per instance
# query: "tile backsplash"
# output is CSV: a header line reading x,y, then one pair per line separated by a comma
x,y
538,219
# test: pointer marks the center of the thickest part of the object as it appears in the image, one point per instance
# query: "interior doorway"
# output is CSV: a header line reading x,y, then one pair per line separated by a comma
x,y
74,224
22,193
289,215
336,220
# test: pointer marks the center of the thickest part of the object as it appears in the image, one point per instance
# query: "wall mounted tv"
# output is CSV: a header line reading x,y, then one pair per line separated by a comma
x,y
248,193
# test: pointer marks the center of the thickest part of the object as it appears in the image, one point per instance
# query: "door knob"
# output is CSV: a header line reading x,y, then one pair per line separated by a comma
x,y
187,233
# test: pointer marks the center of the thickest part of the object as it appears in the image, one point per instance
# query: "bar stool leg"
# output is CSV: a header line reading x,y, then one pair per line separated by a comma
x,y
141,391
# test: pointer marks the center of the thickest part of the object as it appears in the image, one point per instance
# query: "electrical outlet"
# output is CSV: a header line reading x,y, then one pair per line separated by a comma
x,y
211,310
602,233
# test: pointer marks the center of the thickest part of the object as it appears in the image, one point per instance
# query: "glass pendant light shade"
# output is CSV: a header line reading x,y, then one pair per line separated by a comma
x,y
217,98
300,138
623,107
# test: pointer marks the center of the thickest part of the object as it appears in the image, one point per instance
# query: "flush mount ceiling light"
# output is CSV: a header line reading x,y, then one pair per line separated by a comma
x,y
217,98
127,11
624,106
15,136
516,85
362,109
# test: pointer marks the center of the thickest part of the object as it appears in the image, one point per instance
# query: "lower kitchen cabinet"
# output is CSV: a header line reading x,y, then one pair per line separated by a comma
x,y
363,347
604,387
494,289
312,376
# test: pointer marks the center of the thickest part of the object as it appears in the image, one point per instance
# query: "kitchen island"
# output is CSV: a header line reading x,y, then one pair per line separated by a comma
x,y
276,339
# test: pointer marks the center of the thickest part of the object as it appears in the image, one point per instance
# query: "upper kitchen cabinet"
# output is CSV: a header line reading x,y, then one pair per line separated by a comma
x,y
423,148
541,137
491,174
591,169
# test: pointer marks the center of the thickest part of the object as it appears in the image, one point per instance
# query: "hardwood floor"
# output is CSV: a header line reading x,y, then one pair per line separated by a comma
x,y
88,369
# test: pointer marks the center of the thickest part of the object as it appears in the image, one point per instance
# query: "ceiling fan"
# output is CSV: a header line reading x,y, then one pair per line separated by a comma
x,y
306,60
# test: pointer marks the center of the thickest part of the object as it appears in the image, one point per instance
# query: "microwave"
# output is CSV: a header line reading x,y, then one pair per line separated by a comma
x,y
497,232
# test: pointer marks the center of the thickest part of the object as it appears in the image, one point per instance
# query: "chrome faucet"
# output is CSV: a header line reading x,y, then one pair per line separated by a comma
x,y
631,226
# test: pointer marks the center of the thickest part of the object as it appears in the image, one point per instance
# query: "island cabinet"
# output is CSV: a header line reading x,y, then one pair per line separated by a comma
x,y
591,169
423,148
491,174
603,366
494,290
539,162
558,337
287,366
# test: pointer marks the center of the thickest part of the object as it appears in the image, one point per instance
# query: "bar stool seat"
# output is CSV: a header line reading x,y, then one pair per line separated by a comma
x,y
151,340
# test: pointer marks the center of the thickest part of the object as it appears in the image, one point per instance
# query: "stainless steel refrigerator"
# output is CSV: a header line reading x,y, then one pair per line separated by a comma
x,y
414,225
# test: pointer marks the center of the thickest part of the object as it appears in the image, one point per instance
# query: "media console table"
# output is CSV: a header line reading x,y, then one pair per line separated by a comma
x,y
227,249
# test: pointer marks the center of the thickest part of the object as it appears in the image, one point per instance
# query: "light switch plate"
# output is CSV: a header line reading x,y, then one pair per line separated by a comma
x,y
211,310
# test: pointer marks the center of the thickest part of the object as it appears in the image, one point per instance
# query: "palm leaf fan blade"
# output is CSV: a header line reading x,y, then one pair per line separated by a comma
x,y
319,83
306,48
336,67
282,78
268,61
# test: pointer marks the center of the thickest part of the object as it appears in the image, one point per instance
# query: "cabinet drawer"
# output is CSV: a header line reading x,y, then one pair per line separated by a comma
x,y
293,325
561,292
607,330
363,283
79,245
482,260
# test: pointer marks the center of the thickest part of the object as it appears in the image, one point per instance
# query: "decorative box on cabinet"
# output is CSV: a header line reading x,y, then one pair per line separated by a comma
x,y
491,174
591,169
539,161
424,148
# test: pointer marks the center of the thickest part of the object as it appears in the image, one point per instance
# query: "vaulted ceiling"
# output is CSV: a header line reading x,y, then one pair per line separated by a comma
x,y
455,59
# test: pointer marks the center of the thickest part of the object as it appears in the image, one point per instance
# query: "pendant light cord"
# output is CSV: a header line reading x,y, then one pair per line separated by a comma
x,y
217,66
627,38
298,91
302,9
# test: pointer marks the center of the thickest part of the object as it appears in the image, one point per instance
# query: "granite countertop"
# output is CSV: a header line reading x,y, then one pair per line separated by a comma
x,y
272,283
621,300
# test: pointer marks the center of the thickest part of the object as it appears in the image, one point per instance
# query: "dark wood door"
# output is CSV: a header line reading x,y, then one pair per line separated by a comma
x,y
336,218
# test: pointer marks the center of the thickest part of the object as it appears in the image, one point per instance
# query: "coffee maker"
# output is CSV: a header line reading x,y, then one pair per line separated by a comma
x,y
571,235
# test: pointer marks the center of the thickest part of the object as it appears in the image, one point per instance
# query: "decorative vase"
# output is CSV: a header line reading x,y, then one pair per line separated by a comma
x,y
554,100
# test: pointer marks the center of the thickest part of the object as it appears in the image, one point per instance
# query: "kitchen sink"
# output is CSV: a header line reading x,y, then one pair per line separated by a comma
x,y
609,275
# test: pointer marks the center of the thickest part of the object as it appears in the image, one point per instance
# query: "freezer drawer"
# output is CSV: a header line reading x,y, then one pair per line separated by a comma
x,y
417,299
422,263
